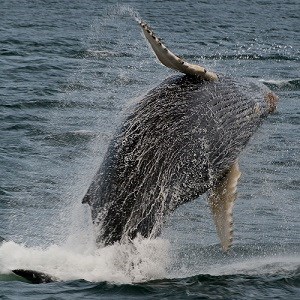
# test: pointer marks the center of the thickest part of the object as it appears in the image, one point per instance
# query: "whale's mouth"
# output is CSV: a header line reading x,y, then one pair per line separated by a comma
x,y
272,100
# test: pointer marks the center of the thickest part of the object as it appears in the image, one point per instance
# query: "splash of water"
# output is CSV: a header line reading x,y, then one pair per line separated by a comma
x,y
140,261
283,84
258,266
126,10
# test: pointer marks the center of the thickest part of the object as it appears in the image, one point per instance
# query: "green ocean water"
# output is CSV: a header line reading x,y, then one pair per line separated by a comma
x,y
68,71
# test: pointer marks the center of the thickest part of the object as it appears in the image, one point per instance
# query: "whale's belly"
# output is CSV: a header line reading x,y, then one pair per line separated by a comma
x,y
177,143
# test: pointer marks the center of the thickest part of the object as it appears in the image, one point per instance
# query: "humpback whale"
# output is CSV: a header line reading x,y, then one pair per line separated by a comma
x,y
181,140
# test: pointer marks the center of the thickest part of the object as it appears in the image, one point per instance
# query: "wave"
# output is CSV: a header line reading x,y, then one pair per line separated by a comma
x,y
89,53
283,85
240,286
59,104
250,56
144,269
44,103
72,137
140,261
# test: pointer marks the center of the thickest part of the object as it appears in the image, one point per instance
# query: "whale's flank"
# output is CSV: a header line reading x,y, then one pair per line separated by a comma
x,y
180,141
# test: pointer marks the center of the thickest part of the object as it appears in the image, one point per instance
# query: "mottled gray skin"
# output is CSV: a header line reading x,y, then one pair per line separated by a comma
x,y
178,142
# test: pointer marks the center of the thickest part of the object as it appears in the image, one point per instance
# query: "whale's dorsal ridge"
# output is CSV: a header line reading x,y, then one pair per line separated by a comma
x,y
170,60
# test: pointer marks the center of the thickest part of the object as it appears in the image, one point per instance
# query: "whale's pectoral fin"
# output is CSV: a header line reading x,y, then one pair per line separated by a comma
x,y
170,60
221,200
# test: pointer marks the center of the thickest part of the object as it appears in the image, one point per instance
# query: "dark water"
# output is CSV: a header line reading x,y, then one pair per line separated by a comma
x,y
67,72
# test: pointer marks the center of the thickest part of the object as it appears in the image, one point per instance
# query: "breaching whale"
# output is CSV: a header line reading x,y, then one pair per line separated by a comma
x,y
181,140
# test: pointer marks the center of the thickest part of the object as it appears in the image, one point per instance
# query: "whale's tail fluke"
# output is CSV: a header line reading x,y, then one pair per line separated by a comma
x,y
170,60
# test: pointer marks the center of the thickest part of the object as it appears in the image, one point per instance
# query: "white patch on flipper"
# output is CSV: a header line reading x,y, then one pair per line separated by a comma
x,y
221,202
170,60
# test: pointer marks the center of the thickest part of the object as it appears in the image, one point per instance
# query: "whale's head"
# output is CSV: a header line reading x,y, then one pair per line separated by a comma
x,y
264,100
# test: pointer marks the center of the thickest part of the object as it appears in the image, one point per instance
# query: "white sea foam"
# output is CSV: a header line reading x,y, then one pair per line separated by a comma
x,y
277,81
258,266
142,260
283,83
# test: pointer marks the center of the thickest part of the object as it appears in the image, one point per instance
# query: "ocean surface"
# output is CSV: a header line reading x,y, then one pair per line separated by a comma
x,y
68,72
